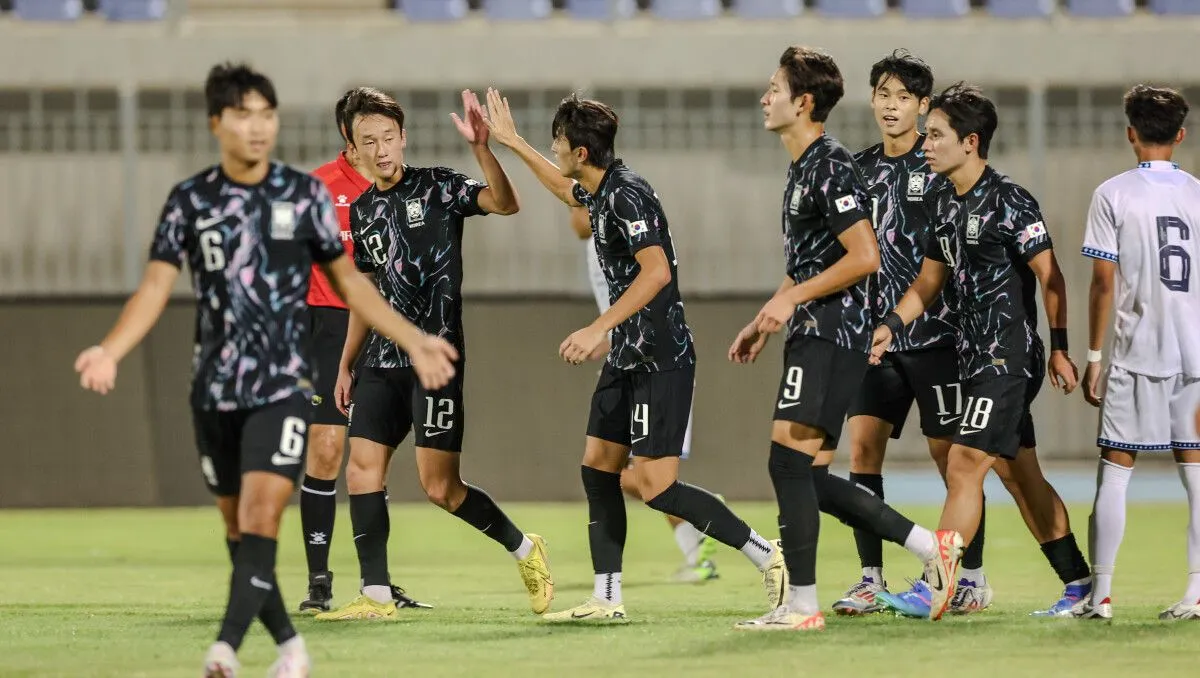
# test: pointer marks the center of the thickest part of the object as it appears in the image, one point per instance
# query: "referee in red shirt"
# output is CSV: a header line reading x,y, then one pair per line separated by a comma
x,y
346,178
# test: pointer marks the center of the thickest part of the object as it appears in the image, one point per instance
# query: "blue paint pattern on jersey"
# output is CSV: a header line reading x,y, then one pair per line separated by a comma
x,y
626,218
410,238
825,196
987,237
250,250
903,225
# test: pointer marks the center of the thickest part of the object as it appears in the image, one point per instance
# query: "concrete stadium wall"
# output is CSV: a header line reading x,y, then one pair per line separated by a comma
x,y
527,410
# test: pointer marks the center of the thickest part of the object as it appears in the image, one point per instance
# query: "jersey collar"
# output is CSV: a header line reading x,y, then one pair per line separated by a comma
x,y
359,181
1160,165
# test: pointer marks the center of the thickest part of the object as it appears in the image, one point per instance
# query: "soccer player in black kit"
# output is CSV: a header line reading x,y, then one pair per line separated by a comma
x,y
250,230
991,243
830,249
644,395
407,230
922,364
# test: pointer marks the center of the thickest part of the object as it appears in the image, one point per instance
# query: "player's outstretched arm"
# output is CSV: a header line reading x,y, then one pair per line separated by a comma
x,y
750,342
97,366
502,128
581,222
1063,372
500,197
653,275
432,357
1100,299
924,290
860,260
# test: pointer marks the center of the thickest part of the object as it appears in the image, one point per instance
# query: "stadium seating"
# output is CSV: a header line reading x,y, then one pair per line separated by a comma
x,y
1100,8
686,9
1021,9
518,10
767,9
935,9
1175,6
133,10
434,10
851,9
48,10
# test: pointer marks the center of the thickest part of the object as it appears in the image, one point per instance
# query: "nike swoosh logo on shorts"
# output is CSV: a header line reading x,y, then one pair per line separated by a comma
x,y
950,420
637,440
284,460
429,433
784,405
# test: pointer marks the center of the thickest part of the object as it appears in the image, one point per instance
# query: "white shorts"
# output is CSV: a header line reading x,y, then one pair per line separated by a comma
x,y
600,291
1149,414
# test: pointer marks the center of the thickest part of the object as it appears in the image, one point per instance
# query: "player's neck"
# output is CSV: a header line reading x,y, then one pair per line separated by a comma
x,y
359,167
1153,153
798,137
243,172
590,178
894,147
965,177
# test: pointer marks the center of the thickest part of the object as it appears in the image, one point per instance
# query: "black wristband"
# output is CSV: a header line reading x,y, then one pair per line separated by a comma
x,y
1058,339
895,323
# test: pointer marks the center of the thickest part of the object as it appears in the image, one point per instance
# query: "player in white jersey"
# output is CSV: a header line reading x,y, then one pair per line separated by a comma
x,y
697,548
1142,234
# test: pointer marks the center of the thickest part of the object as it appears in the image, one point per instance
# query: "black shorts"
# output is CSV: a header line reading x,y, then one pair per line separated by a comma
x,y
645,411
270,438
328,337
928,376
388,402
819,381
996,414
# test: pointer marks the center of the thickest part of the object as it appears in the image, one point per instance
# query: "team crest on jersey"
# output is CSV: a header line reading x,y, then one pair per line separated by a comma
x,y
794,205
916,185
283,220
973,229
414,212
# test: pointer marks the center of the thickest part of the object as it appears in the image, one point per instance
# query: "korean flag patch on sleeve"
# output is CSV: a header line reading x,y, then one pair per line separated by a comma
x,y
636,228
1032,232
845,203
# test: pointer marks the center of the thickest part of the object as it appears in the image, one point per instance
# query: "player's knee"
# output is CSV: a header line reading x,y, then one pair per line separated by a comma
x,y
964,470
363,478
866,457
629,484
445,493
324,454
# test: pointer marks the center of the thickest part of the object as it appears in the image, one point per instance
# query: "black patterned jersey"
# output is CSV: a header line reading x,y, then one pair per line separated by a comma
x,y
903,226
825,195
250,250
410,238
987,237
626,218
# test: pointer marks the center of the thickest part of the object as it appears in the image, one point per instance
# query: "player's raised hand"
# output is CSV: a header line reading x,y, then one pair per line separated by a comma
x,y
471,125
578,347
880,342
341,391
775,314
1093,392
97,370
748,344
499,120
433,360
1063,372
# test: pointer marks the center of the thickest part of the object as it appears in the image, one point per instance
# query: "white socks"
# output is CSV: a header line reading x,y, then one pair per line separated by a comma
x,y
688,538
976,577
1190,475
523,550
803,599
608,587
758,550
875,574
1107,525
921,543
378,593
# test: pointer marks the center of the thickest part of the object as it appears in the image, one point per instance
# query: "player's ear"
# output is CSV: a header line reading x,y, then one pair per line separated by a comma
x,y
971,143
403,138
923,107
1130,134
1180,135
581,154
213,121
803,103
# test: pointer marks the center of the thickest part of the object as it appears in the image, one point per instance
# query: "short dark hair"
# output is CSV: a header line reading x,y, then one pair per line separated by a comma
x,y
228,84
363,101
814,72
969,112
588,124
339,114
1155,113
910,70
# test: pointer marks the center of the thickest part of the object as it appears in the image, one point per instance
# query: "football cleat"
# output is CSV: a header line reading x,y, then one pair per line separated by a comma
x,y
783,619
775,577
1101,610
971,597
688,574
860,599
592,611
535,572
320,593
1074,597
361,607
1181,610
911,603
940,572
401,599
221,661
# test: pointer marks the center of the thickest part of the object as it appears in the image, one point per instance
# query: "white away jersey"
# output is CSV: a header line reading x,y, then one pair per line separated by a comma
x,y
1145,220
